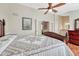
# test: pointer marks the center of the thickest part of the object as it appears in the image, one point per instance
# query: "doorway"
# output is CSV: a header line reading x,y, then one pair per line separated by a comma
x,y
64,24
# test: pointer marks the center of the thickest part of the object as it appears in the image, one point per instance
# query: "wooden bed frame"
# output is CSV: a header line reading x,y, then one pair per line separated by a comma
x,y
54,35
2,28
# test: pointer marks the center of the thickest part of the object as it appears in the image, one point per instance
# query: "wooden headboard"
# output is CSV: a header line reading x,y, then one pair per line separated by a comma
x,y
2,28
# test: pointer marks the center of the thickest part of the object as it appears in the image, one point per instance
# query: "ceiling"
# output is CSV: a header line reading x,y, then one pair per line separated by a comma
x,y
63,9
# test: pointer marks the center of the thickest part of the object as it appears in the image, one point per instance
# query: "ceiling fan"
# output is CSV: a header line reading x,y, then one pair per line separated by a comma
x,y
50,6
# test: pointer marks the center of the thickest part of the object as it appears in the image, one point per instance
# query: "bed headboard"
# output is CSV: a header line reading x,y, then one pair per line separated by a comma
x,y
2,28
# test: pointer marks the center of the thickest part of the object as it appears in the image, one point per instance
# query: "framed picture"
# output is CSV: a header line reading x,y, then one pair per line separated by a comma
x,y
26,23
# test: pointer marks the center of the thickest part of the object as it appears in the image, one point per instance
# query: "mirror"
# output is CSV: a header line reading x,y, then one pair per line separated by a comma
x,y
77,24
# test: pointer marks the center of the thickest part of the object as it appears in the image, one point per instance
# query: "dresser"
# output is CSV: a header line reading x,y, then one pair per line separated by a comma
x,y
73,36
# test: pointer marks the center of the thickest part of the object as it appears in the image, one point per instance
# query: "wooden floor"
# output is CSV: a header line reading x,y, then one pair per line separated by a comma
x,y
74,48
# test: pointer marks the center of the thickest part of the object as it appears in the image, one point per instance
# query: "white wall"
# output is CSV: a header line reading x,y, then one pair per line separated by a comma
x,y
73,15
56,23
13,13
16,12
4,14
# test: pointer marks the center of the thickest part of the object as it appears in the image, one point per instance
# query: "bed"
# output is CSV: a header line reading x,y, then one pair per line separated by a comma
x,y
35,46
6,41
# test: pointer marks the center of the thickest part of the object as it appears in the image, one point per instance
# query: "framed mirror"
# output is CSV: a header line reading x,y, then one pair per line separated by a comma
x,y
76,24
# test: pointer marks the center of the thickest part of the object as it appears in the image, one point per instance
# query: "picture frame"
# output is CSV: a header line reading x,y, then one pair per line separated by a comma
x,y
26,23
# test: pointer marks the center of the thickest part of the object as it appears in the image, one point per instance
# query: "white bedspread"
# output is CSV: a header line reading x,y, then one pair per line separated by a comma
x,y
37,46
5,42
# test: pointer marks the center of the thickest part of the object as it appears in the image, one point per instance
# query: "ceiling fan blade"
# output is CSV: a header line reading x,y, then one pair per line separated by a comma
x,y
42,8
58,5
46,11
54,10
